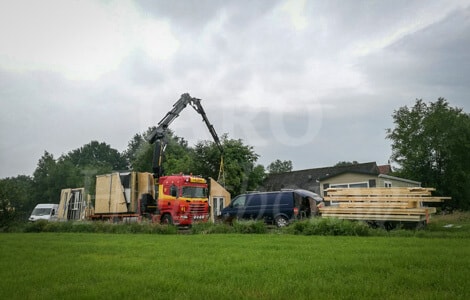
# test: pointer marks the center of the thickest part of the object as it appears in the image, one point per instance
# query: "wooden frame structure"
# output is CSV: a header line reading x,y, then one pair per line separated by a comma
x,y
381,204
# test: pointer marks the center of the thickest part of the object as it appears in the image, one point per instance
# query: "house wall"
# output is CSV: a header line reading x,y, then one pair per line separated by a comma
x,y
348,178
390,181
217,192
371,180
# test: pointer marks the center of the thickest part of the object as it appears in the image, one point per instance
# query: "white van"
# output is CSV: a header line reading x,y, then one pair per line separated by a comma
x,y
46,211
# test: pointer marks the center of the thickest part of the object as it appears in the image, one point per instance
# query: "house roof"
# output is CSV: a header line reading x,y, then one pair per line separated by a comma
x,y
309,179
385,169
363,172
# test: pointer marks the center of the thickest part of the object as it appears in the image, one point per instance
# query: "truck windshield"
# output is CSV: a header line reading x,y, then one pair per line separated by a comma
x,y
194,192
41,211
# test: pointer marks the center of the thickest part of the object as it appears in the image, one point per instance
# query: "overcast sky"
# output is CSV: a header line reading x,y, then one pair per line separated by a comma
x,y
314,82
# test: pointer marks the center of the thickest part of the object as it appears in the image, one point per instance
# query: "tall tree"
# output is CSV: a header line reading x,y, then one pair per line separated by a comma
x,y
16,202
139,153
78,168
99,155
176,156
241,174
431,144
81,165
279,166
45,180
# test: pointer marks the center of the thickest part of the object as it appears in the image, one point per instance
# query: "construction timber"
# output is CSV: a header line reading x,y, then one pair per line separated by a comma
x,y
401,204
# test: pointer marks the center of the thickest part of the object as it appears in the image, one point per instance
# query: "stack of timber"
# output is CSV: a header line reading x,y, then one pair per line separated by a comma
x,y
380,204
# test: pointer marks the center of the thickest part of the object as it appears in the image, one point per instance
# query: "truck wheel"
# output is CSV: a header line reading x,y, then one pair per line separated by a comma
x,y
167,219
281,221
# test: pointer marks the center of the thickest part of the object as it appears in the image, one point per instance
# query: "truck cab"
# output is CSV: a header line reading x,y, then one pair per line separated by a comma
x,y
183,199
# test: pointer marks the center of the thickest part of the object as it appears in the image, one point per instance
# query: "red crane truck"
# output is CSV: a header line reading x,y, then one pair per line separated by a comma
x,y
175,199
182,199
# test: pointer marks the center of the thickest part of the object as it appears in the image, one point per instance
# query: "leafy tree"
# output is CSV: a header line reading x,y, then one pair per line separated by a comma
x,y
98,155
346,163
256,177
16,202
78,168
239,164
279,166
431,143
45,180
139,153
134,149
177,156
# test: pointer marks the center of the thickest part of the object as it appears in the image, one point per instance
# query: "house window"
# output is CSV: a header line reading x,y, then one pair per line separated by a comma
x,y
351,185
359,185
387,184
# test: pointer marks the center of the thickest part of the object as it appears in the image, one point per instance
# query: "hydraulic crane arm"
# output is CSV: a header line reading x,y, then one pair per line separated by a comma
x,y
158,135
170,116
196,104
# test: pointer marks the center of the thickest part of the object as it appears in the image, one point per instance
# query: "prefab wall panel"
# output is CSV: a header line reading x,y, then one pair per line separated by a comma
x,y
120,192
110,194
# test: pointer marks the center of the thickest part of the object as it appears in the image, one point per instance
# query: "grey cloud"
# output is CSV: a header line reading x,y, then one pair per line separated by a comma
x,y
437,55
193,15
251,56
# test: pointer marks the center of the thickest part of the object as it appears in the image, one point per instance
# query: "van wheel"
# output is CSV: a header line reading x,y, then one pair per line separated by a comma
x,y
167,219
281,221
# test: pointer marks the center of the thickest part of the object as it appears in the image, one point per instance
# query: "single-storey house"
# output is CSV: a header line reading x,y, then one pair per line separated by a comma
x,y
319,179
357,179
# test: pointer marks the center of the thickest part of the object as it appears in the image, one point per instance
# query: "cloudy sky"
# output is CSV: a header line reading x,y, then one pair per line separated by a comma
x,y
314,82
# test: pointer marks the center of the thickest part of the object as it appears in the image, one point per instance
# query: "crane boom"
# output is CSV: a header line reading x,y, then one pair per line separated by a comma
x,y
158,136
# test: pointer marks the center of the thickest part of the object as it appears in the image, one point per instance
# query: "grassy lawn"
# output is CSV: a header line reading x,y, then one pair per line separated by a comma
x,y
231,266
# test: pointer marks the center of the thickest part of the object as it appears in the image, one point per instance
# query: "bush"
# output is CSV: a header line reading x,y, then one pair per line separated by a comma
x,y
99,227
250,226
38,226
208,228
328,226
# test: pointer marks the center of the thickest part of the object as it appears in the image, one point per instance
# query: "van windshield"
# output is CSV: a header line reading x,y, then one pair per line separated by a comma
x,y
239,201
41,212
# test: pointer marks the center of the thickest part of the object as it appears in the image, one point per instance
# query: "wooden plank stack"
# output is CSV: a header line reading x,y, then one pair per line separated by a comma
x,y
380,204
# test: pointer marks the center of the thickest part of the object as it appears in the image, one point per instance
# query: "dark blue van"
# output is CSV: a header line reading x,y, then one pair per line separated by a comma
x,y
279,208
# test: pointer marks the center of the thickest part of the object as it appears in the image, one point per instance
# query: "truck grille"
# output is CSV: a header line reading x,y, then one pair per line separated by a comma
x,y
197,208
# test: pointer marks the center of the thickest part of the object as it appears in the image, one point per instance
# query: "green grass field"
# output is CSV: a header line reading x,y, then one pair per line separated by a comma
x,y
231,266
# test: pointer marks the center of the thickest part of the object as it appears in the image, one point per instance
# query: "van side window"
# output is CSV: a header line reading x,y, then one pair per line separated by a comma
x,y
254,200
239,201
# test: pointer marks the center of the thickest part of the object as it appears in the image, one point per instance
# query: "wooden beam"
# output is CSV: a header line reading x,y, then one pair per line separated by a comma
x,y
384,204
384,211
414,218
378,204
384,199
